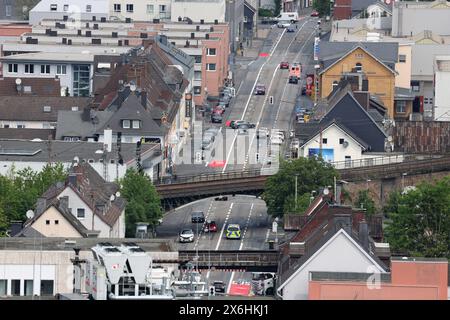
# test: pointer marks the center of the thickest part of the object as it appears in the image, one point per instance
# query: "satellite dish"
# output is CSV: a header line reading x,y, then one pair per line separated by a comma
x,y
326,191
345,144
390,138
132,87
117,194
18,81
112,198
30,214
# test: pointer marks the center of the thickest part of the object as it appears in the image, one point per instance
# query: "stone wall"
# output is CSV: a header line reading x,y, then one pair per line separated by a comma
x,y
422,136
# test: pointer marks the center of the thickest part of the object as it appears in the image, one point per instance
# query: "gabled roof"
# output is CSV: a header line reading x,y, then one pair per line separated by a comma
x,y
80,124
27,134
75,223
339,125
46,87
132,109
94,191
386,53
321,246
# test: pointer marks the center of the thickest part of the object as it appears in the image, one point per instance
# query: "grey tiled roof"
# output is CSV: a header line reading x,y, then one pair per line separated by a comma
x,y
132,109
79,123
386,52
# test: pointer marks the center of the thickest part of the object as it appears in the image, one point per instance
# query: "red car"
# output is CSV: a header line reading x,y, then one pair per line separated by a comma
x,y
210,226
284,65
314,14
219,110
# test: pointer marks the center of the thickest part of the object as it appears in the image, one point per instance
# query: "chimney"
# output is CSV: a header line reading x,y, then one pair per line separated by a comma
x,y
192,35
211,29
15,228
64,203
107,134
207,36
216,21
342,220
144,98
180,19
73,179
197,28
202,21
363,234
363,98
41,204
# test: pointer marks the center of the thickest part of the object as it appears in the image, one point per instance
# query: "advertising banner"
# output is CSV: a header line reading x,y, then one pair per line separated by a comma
x,y
327,154
309,84
316,48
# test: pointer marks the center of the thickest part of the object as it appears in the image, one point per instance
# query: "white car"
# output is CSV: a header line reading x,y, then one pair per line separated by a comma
x,y
278,134
186,235
283,24
276,140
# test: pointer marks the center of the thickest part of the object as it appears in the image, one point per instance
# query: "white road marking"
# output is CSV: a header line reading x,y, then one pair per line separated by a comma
x,y
250,97
201,230
241,246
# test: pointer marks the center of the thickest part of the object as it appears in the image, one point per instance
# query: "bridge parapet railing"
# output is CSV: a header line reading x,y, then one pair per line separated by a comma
x,y
174,179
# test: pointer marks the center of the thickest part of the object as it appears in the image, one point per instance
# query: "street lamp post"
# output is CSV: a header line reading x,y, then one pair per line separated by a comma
x,y
296,180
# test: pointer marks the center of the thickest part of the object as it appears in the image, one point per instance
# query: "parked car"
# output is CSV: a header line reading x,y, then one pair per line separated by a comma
x,y
234,123
278,133
260,89
198,217
216,118
284,65
233,231
210,226
314,14
276,140
186,235
219,287
246,125
219,109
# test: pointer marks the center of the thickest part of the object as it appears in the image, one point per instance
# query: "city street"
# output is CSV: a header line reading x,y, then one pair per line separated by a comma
x,y
242,151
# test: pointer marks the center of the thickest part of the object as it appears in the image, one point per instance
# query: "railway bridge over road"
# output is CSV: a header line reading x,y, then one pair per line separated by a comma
x,y
248,260
189,188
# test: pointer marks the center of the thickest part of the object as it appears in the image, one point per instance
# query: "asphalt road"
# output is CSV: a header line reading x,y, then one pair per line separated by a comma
x,y
239,150
247,211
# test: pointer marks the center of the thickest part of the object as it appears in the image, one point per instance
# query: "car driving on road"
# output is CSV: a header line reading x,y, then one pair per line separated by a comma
x,y
260,89
284,65
210,226
314,14
233,231
186,235
198,217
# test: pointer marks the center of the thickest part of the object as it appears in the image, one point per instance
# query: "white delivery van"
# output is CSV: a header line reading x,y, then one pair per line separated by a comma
x,y
288,16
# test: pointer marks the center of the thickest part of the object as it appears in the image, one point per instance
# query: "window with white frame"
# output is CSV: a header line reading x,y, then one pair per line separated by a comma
x,y
29,68
117,7
197,90
88,8
8,10
80,213
197,75
126,124
150,9
402,58
430,100
335,84
211,66
20,126
66,7
136,124
400,106
415,86
61,69
12,67
162,8
53,7
358,67
130,8
211,51
45,69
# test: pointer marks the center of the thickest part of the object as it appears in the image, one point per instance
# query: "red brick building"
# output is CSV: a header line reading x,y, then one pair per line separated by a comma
x,y
342,9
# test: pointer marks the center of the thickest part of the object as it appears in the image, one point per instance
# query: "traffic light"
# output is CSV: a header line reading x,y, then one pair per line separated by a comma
x,y
212,291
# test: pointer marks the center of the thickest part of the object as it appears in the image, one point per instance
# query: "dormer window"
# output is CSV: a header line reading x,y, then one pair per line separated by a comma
x,y
126,124
136,124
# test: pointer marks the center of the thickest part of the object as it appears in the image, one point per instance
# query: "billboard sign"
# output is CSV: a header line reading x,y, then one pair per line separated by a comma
x,y
309,83
316,48
327,154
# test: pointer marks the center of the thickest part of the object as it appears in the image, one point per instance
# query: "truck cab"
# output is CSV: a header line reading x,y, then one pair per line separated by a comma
x,y
295,71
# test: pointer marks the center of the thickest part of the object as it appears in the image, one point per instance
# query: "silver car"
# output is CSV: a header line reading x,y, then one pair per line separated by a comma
x,y
186,235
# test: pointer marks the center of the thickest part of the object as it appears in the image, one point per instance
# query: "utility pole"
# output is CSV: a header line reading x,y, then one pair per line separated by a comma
x,y
320,142
296,179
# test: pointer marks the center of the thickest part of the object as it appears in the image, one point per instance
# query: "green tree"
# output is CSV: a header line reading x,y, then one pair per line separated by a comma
x,y
143,202
312,173
277,10
322,6
420,220
262,12
23,8
3,222
303,202
20,190
365,201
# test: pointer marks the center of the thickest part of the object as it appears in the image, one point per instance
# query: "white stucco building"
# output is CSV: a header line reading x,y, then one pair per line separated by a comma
x,y
74,70
341,253
442,85
139,10
74,9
